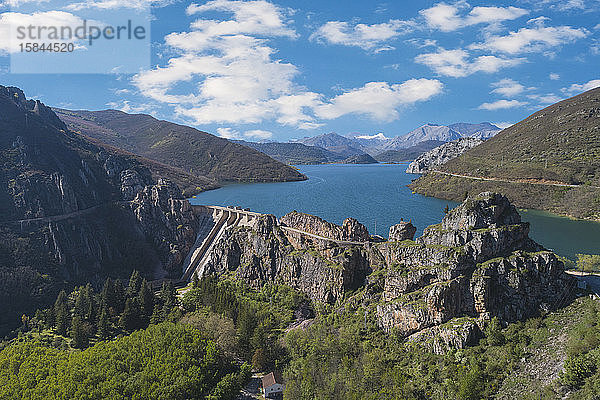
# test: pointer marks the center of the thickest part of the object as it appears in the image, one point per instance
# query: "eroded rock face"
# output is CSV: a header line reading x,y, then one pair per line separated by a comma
x,y
351,229
168,220
402,231
441,155
478,263
321,268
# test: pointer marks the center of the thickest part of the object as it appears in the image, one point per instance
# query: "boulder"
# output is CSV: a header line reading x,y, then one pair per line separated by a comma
x,y
402,231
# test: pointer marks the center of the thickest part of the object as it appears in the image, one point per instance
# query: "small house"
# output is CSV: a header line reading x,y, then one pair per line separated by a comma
x,y
272,384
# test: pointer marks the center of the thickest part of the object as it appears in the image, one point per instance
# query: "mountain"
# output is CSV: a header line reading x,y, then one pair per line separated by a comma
x,y
483,130
440,133
179,146
408,154
335,143
73,212
294,153
549,161
442,154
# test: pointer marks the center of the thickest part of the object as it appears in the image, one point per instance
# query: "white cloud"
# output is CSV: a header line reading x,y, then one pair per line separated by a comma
x,y
18,3
457,63
446,17
117,4
379,100
127,107
545,99
507,87
580,88
554,76
258,134
367,37
228,133
527,40
501,105
226,72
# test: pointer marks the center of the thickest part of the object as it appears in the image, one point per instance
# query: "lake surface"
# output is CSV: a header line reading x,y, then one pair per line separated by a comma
x,y
377,196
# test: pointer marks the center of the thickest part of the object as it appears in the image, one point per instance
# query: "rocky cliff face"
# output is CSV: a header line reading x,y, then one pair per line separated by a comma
x,y
442,154
322,268
439,291
70,212
477,264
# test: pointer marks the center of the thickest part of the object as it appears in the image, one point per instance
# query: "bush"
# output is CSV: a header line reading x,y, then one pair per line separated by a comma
x,y
577,369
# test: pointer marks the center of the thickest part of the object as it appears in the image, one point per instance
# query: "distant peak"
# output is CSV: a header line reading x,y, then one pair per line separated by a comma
x,y
380,136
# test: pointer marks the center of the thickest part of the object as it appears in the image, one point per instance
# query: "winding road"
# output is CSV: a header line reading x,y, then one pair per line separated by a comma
x,y
477,178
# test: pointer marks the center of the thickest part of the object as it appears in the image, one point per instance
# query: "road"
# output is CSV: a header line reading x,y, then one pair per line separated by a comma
x,y
286,228
477,178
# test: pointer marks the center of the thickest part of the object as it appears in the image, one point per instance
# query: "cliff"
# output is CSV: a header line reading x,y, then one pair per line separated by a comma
x,y
439,290
441,155
73,212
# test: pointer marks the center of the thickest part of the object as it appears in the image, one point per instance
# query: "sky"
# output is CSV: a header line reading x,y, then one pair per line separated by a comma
x,y
282,70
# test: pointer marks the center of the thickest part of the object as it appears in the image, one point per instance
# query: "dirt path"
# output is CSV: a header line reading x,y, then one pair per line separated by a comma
x,y
61,217
531,182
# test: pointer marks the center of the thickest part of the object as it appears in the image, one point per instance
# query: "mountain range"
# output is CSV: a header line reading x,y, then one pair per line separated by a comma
x,y
332,147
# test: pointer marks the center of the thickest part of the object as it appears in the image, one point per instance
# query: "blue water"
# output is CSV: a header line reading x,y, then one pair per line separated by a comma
x,y
377,196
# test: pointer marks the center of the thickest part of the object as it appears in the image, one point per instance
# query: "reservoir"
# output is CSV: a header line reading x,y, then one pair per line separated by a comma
x,y
377,196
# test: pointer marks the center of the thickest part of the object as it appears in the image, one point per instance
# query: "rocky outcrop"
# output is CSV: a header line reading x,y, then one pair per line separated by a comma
x,y
351,229
477,264
168,220
402,231
263,253
442,154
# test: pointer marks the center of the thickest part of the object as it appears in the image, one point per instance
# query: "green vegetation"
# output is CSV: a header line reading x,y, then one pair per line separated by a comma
x,y
191,351
588,262
165,361
557,144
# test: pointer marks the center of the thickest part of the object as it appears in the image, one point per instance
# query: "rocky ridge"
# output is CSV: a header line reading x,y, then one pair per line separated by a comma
x,y
439,290
442,154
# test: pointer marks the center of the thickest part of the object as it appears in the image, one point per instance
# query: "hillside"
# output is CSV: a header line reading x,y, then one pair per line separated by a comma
x,y
179,146
408,154
442,154
293,153
529,161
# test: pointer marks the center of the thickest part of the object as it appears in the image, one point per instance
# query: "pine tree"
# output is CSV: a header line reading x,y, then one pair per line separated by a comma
x,y
61,313
80,304
168,295
104,324
135,283
195,281
146,301
119,293
129,320
79,333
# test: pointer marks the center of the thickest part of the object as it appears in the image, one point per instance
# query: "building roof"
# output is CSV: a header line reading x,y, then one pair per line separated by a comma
x,y
271,379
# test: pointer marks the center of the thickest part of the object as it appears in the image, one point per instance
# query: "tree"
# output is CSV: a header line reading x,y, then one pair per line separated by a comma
x,y
129,320
61,313
195,281
259,360
104,324
588,262
79,333
146,300
135,283
168,296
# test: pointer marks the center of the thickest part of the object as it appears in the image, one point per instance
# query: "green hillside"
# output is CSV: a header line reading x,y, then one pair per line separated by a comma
x,y
179,146
559,145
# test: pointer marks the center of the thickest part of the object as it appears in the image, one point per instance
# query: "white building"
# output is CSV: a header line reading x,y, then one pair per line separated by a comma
x,y
272,384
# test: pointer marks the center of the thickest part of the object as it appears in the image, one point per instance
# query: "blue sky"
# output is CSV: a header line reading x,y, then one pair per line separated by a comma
x,y
281,70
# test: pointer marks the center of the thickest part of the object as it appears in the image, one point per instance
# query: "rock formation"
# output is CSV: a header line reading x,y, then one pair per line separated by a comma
x,y
402,231
439,291
442,154
477,264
